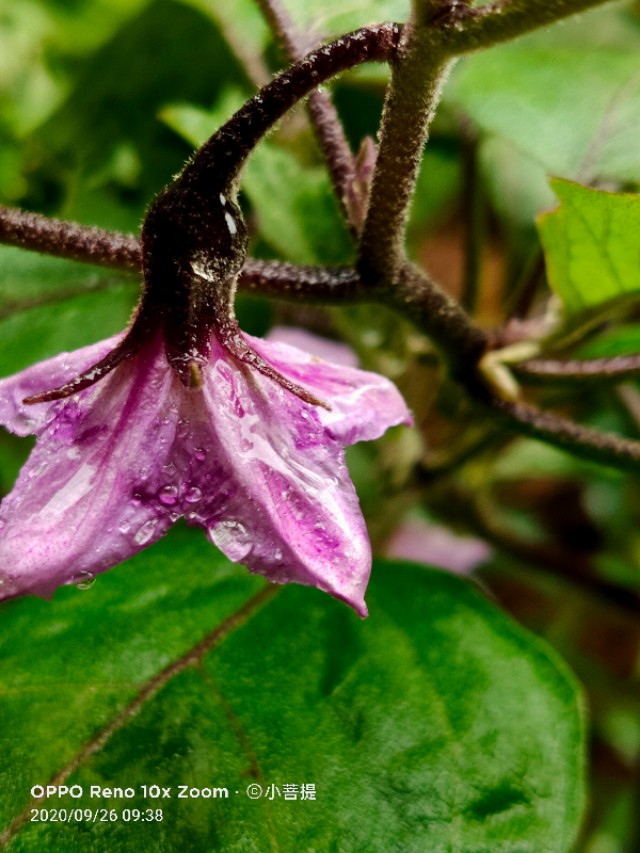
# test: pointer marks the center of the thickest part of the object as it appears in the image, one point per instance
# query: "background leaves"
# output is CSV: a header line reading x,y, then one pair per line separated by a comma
x,y
591,246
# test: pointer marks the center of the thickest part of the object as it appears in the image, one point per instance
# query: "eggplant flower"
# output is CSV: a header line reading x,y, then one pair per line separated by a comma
x,y
262,471
185,416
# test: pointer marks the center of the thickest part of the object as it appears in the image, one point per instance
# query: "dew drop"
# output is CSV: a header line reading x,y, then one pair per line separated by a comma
x,y
145,532
84,580
193,495
200,454
42,467
168,495
232,537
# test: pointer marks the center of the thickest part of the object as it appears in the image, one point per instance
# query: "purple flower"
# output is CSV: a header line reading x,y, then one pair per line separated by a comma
x,y
184,415
259,468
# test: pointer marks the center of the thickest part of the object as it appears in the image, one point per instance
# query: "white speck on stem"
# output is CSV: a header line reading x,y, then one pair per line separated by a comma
x,y
231,223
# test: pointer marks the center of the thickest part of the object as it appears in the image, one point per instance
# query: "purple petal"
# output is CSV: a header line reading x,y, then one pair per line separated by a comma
x,y
90,494
333,351
363,404
418,540
262,471
271,487
29,420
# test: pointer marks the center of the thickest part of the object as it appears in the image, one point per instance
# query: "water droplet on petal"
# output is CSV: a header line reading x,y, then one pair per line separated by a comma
x,y
42,467
183,428
168,495
145,532
84,580
200,454
232,537
193,495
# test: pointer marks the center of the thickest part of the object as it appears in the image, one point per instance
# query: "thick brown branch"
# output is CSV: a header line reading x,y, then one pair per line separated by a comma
x,y
464,29
418,72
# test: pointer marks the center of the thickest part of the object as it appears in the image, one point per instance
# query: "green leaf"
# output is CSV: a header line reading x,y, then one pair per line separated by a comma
x,y
517,186
49,305
111,113
591,246
574,111
37,41
437,724
338,17
619,340
296,210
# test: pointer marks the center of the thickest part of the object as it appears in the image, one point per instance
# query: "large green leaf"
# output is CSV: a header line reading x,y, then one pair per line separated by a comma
x,y
576,112
437,724
591,246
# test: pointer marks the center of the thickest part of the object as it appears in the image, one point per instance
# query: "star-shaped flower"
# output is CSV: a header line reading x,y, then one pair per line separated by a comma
x,y
184,415
259,468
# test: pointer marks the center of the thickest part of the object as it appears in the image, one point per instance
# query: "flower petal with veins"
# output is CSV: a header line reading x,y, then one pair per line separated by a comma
x,y
261,470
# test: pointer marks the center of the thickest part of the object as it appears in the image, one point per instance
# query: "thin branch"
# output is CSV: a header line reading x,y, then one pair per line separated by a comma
x,y
575,568
323,285
219,160
596,370
461,342
69,240
463,29
585,442
474,209
324,116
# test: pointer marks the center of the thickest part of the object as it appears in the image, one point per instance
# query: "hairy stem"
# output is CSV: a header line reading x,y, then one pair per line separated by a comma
x,y
324,116
226,151
417,75
464,29
69,240
578,372
460,341
585,442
